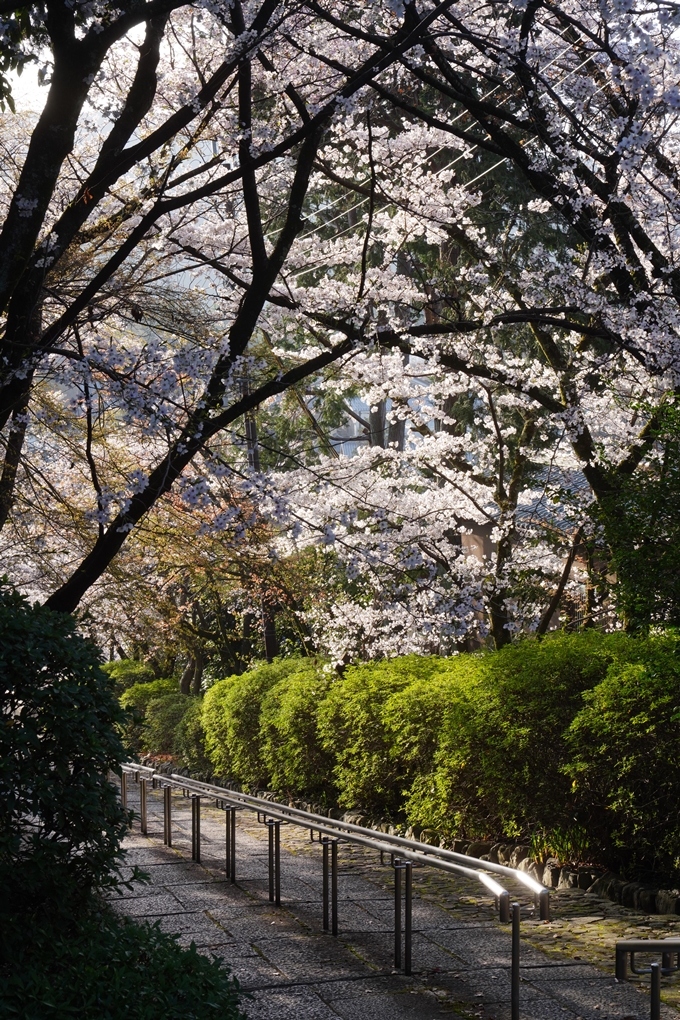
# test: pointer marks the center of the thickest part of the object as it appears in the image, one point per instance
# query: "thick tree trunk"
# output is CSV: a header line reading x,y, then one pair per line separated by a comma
x,y
198,672
376,420
271,644
187,676
15,443
396,435
499,617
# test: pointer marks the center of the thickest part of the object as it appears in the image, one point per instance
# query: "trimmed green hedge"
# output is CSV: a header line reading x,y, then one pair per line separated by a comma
x,y
231,717
569,741
499,763
126,673
293,758
624,749
377,723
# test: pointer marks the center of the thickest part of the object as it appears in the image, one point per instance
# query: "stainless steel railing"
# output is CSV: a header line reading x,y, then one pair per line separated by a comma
x,y
404,853
667,949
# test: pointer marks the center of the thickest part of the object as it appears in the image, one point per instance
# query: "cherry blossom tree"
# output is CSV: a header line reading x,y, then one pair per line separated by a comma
x,y
576,330
160,147
455,223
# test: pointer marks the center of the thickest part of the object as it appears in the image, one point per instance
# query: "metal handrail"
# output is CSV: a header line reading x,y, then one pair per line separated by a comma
x,y
417,853
280,811
667,948
331,832
472,866
402,842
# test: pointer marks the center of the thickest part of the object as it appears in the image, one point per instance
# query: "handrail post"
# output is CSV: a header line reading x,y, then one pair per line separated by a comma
x,y
334,888
504,907
621,964
655,992
325,841
514,967
408,915
270,826
230,843
232,876
227,842
142,807
167,815
277,863
544,905
123,789
196,827
398,867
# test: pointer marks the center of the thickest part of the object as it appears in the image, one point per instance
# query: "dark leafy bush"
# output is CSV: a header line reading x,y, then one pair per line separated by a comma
x,y
189,740
136,700
642,528
126,673
60,819
107,968
139,695
167,722
292,754
231,719
624,747
62,953
358,723
162,717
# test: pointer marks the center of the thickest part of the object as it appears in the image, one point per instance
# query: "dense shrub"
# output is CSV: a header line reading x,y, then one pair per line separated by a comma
x,y
358,723
498,768
293,757
564,741
103,966
60,819
126,673
624,746
231,718
139,695
161,719
188,745
136,700
167,722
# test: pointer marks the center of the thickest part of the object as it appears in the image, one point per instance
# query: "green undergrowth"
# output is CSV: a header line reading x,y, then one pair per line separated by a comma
x,y
104,967
568,742
63,953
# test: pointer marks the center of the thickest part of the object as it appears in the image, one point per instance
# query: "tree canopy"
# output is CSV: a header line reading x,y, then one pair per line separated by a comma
x,y
396,283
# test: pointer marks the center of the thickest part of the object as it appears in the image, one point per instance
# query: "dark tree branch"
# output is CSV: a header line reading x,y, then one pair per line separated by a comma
x,y
66,598
13,448
245,123
553,605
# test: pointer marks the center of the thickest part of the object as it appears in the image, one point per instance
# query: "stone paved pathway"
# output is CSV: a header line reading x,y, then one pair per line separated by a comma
x,y
461,954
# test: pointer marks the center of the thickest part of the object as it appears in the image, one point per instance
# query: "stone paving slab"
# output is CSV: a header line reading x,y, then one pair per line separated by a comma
x,y
291,970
